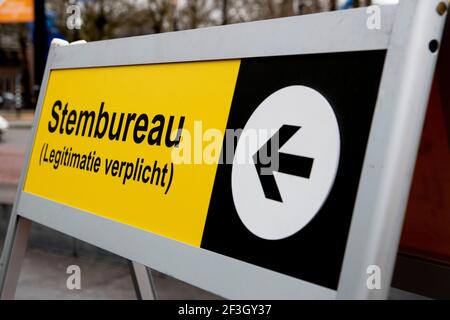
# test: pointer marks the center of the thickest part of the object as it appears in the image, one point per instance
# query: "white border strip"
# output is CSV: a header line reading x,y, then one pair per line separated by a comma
x,y
222,275
339,31
392,149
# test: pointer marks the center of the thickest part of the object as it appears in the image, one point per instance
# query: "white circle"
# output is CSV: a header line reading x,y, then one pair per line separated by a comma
x,y
302,198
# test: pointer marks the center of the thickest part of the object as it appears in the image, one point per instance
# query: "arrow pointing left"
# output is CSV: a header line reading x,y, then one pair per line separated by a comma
x,y
287,163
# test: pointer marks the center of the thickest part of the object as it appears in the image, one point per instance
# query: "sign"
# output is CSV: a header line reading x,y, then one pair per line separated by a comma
x,y
312,189
252,164
110,131
112,134
16,11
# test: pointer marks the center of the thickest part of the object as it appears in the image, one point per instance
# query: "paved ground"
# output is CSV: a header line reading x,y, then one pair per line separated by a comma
x,y
103,275
25,116
44,277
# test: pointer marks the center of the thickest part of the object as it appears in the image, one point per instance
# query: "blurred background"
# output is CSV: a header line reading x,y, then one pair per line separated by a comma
x,y
26,30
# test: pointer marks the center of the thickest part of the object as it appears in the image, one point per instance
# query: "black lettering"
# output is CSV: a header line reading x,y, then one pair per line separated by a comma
x,y
145,178
176,142
158,130
128,172
57,104
100,123
83,162
64,113
157,170
52,156
75,160
71,120
114,168
163,178
86,115
97,165
108,165
101,115
115,135
140,128
131,117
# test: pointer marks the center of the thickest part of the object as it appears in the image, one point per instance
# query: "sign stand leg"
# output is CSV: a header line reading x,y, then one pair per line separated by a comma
x,y
13,254
143,281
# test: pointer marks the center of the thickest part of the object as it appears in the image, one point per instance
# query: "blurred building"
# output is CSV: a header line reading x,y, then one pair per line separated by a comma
x,y
15,64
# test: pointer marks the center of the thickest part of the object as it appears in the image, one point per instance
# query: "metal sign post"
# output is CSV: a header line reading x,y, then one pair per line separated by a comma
x,y
344,94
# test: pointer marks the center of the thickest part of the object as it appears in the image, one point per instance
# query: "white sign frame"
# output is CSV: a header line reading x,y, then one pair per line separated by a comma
x,y
406,31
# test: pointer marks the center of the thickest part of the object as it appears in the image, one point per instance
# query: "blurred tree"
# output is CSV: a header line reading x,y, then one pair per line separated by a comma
x,y
161,15
41,41
101,19
26,81
224,12
357,3
199,13
105,19
333,5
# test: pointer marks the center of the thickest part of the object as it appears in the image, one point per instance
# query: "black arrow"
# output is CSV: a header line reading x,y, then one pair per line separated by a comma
x,y
288,163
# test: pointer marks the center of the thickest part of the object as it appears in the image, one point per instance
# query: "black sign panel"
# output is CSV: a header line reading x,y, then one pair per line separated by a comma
x,y
349,82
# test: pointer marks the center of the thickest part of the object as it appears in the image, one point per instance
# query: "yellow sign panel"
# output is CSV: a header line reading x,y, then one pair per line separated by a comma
x,y
16,11
106,138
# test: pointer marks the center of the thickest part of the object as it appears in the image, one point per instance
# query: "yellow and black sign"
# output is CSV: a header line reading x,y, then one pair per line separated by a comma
x,y
141,145
104,143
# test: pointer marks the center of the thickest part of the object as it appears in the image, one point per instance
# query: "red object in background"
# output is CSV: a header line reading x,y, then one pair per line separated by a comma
x,y
426,232
16,11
